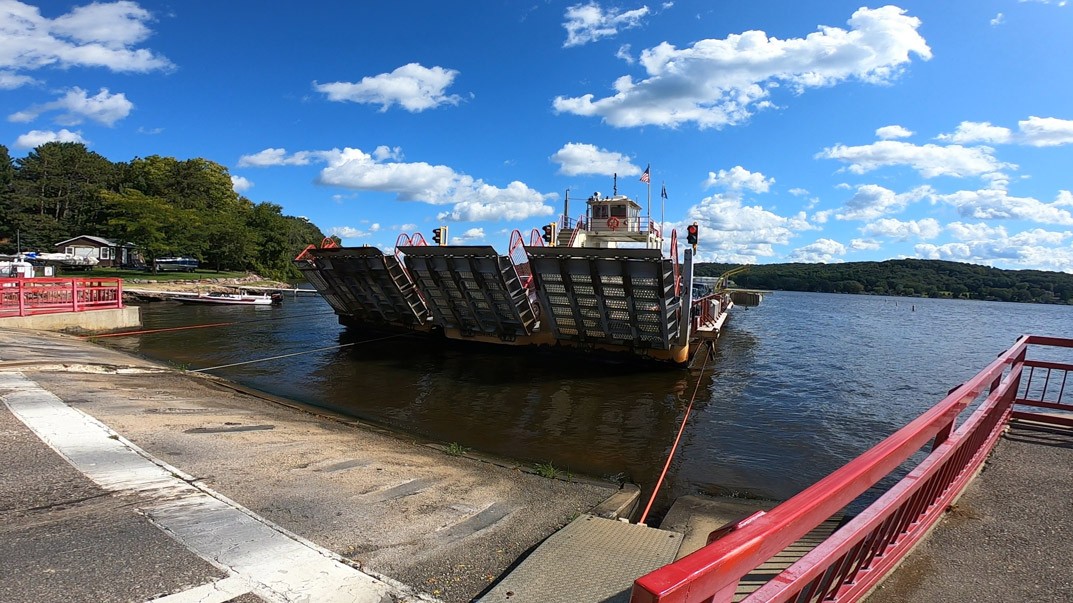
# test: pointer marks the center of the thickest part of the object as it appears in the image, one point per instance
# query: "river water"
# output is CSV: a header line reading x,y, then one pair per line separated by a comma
x,y
797,386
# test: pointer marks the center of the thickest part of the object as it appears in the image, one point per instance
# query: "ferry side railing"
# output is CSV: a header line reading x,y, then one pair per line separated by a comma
x,y
1047,386
519,258
33,296
858,555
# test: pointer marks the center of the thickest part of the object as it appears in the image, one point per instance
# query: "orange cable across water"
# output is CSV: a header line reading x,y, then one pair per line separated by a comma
x,y
674,447
144,332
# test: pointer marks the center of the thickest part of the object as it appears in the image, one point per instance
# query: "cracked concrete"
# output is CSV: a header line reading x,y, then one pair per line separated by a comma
x,y
447,526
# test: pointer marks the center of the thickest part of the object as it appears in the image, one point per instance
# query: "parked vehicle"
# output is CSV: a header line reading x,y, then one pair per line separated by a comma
x,y
177,264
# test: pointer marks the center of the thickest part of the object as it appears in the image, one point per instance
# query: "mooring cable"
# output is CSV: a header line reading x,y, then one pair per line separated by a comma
x,y
331,347
215,324
674,447
147,331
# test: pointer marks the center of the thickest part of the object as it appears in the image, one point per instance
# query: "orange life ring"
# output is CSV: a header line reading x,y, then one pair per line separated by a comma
x,y
612,223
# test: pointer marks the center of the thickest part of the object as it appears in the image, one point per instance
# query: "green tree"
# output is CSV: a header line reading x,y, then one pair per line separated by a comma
x,y
56,193
154,225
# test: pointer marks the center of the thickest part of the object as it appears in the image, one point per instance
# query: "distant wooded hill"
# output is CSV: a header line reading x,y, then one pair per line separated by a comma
x,y
917,278
165,206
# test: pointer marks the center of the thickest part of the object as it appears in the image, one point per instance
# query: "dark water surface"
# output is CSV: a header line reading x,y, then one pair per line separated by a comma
x,y
797,387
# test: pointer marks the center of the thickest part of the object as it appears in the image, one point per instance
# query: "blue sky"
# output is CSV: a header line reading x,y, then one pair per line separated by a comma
x,y
814,131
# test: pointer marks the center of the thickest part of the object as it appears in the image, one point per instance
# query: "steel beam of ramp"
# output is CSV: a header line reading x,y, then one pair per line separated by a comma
x,y
365,284
472,289
618,297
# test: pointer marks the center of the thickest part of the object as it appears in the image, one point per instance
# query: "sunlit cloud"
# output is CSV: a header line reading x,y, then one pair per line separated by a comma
x,y
76,106
719,82
413,87
738,178
101,34
590,22
472,199
577,158
36,138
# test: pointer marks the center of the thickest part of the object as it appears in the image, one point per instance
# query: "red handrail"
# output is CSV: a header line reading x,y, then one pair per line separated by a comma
x,y
32,296
677,270
852,561
325,243
522,268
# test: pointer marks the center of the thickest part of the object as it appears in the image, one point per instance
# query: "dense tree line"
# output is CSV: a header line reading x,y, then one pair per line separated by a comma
x,y
919,278
164,206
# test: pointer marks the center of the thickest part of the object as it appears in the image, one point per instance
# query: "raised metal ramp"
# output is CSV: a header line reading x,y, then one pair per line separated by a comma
x,y
472,289
622,297
590,560
698,516
366,284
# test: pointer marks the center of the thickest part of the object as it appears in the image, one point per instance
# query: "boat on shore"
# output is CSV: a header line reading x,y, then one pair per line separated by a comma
x,y
599,285
233,299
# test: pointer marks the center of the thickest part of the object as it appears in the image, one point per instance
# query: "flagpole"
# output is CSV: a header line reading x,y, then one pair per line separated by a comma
x,y
662,211
649,183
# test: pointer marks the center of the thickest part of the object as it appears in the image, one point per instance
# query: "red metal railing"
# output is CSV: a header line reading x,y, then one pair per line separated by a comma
x,y
32,296
325,243
709,308
857,556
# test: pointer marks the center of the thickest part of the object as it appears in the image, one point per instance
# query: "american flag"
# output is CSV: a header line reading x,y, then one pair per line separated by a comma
x,y
645,177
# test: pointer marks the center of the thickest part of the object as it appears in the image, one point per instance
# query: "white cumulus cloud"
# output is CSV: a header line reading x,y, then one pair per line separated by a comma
x,y
100,34
738,178
930,160
823,250
731,231
998,204
927,228
872,201
472,198
719,82
273,157
240,183
576,158
969,132
1046,131
890,132
36,138
413,87
589,22
77,106
981,244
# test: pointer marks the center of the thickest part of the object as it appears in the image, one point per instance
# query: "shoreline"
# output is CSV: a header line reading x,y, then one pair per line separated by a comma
x,y
385,502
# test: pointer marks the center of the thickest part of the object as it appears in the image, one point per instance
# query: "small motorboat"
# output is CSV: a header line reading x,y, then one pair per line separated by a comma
x,y
234,299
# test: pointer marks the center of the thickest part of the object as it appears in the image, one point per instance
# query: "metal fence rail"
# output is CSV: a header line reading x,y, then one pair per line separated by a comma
x,y
33,296
857,556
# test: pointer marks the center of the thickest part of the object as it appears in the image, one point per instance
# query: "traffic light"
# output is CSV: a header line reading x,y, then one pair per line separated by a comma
x,y
549,233
691,233
439,235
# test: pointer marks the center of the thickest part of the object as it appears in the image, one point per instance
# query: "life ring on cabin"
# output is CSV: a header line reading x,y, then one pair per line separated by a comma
x,y
612,223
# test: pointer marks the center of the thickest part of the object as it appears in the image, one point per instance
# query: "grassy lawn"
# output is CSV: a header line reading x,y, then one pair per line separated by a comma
x,y
149,276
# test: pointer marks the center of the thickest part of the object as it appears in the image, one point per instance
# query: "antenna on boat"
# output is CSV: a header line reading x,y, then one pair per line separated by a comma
x,y
614,189
566,207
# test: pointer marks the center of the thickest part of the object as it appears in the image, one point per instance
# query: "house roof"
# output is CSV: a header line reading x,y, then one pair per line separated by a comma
x,y
103,242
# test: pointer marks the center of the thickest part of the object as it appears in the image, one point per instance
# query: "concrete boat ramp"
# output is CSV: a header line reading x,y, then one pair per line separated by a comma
x,y
124,480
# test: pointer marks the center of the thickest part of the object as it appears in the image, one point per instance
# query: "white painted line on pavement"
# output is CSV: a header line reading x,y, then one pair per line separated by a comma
x,y
276,564
219,591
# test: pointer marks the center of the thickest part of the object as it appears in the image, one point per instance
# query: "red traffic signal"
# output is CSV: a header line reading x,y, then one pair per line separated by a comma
x,y
549,232
691,233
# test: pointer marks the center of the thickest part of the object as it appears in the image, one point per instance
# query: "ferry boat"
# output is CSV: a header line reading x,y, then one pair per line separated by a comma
x,y
599,284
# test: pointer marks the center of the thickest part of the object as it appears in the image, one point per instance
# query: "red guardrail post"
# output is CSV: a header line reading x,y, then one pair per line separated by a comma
x,y
20,291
